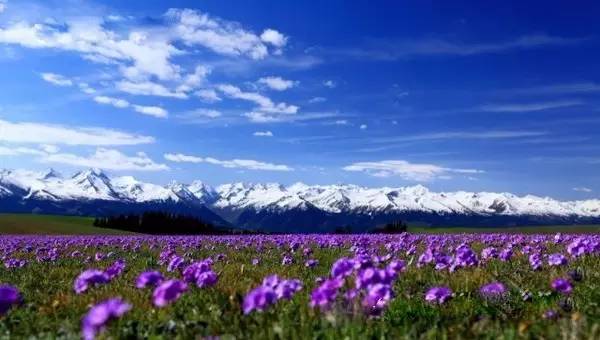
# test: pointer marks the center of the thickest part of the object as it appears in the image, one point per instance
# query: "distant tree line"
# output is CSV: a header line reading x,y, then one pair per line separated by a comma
x,y
161,223
395,227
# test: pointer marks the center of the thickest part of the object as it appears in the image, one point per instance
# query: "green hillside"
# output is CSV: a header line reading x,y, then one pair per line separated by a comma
x,y
51,225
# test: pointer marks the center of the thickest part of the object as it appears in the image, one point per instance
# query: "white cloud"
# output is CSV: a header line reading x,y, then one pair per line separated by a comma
x,y
85,88
56,79
266,111
199,116
277,83
16,151
223,37
273,37
330,83
208,95
341,122
148,88
40,133
233,164
530,107
582,189
107,159
193,80
116,102
363,126
49,148
263,134
407,170
2,6
154,111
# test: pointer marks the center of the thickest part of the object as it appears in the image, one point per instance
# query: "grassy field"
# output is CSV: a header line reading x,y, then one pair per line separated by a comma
x,y
51,309
51,225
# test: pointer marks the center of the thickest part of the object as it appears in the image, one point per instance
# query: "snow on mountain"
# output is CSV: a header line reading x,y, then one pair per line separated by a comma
x,y
93,184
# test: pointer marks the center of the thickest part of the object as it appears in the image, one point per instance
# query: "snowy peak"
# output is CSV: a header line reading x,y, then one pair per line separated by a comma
x,y
93,184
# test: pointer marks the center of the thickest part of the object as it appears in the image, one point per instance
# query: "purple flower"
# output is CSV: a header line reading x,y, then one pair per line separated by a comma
x,y
562,286
489,253
206,279
310,263
557,259
287,260
167,292
9,296
255,262
287,288
175,263
438,295
88,278
492,290
146,279
342,267
324,295
377,297
115,269
259,299
191,272
535,260
99,315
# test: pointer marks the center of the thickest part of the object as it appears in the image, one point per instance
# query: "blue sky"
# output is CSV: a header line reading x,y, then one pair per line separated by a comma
x,y
496,96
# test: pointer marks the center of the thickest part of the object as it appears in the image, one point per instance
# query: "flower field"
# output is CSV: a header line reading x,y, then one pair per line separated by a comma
x,y
301,286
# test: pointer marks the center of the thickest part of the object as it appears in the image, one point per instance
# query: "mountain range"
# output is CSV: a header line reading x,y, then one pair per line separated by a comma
x,y
277,208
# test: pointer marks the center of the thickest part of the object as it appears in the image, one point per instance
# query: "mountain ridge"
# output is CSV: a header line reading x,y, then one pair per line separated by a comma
x,y
275,207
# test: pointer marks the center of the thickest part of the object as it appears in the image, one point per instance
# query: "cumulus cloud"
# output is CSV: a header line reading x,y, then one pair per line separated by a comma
x,y
263,134
317,100
363,126
41,133
154,111
406,170
277,83
208,95
144,55
109,159
56,79
233,164
221,36
116,102
273,37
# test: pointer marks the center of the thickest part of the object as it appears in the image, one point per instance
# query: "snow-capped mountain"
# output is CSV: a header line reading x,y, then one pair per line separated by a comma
x,y
271,206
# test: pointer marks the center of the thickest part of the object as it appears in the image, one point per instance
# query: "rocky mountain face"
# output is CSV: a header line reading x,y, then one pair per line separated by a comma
x,y
274,207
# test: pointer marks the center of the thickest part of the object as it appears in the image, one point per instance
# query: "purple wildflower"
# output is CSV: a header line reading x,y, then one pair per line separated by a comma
x,y
342,267
206,279
88,278
9,296
562,286
324,295
377,297
310,263
438,295
492,290
151,278
557,259
99,315
115,269
259,299
168,291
